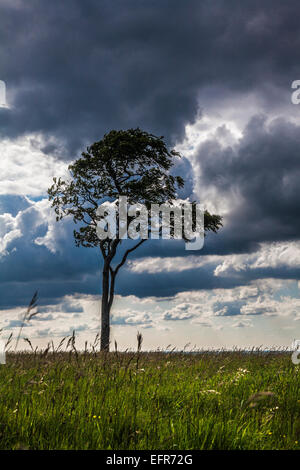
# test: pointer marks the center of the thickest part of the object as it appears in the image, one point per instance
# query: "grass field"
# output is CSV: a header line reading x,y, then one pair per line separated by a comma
x,y
224,400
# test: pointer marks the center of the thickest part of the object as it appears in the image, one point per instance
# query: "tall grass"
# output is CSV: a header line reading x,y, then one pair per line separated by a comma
x,y
70,399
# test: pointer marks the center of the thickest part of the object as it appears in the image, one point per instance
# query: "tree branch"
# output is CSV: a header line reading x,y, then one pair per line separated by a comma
x,y
114,272
127,253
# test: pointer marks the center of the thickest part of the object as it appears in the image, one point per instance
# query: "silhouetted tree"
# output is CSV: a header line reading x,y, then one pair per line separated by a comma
x,y
130,163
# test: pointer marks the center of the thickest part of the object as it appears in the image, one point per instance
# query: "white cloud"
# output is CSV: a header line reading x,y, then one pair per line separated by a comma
x,y
127,316
255,299
259,307
175,264
8,225
270,255
221,121
25,169
26,224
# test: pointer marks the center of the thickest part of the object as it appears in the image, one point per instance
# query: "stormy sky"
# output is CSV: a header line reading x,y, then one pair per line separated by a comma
x,y
214,78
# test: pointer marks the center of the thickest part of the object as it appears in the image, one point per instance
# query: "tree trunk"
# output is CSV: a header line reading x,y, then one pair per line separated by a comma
x,y
108,290
105,310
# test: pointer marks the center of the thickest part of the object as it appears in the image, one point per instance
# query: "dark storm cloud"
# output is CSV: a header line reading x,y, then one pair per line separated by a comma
x,y
264,173
26,266
75,69
170,283
77,273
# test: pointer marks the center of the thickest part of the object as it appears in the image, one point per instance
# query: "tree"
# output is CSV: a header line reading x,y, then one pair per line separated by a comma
x,y
131,163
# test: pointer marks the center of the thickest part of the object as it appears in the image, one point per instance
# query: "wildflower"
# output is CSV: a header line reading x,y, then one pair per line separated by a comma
x,y
243,371
240,373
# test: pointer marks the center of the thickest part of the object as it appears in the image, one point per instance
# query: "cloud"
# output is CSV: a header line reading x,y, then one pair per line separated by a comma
x,y
60,332
36,253
203,323
177,263
264,297
185,311
258,180
80,70
131,317
14,324
258,308
177,315
277,257
8,238
25,169
242,324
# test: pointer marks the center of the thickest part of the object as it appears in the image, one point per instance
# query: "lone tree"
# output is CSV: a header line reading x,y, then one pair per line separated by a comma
x,y
131,163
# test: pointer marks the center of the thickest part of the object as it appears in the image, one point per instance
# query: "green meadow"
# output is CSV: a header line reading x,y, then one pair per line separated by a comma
x,y
158,400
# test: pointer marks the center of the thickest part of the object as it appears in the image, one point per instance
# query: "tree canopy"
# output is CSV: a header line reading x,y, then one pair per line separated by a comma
x,y
131,163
